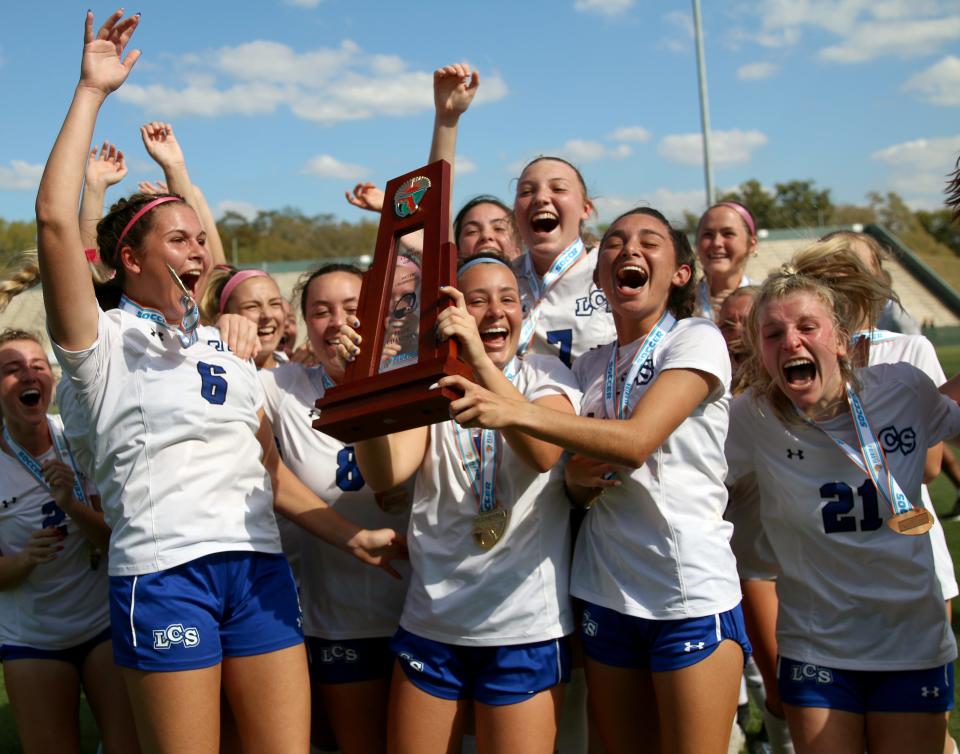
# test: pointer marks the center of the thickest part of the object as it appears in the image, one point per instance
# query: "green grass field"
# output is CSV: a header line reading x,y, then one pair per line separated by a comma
x,y
941,490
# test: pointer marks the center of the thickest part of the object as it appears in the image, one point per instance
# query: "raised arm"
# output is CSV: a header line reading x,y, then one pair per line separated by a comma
x,y
67,288
454,87
101,173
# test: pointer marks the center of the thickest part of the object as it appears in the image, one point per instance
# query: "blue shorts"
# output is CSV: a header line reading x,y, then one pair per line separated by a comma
x,y
804,684
75,655
228,604
490,675
625,641
349,660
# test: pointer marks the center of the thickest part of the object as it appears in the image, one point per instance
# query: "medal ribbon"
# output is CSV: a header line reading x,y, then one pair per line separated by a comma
x,y
186,332
871,459
566,259
622,409
33,467
318,372
875,336
482,470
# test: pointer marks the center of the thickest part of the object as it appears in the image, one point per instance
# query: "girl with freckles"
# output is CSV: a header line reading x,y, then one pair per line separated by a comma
x,y
661,630
865,647
487,609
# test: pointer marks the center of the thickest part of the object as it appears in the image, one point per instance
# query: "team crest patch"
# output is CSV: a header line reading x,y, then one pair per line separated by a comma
x,y
408,197
894,439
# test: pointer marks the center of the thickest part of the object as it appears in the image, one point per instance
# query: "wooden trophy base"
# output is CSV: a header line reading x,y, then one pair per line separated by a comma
x,y
369,407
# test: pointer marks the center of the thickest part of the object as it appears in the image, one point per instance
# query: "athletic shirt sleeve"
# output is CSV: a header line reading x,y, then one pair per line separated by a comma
x,y
551,377
940,413
701,348
739,444
271,394
86,368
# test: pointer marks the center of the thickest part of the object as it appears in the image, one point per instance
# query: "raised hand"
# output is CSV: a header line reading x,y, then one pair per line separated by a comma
x,y
104,170
366,196
103,66
150,187
161,144
454,87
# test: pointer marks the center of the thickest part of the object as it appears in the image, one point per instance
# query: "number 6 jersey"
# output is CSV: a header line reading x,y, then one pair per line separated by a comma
x,y
853,594
168,434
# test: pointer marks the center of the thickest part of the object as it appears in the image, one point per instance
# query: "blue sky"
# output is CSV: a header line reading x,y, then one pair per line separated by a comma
x,y
290,102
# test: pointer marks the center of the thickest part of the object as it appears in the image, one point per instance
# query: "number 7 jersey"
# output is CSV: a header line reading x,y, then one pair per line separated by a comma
x,y
853,594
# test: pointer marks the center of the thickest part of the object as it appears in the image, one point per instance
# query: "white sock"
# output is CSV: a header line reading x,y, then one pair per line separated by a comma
x,y
778,734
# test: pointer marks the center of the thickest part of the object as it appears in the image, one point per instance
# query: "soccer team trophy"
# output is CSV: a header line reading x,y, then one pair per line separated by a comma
x,y
391,386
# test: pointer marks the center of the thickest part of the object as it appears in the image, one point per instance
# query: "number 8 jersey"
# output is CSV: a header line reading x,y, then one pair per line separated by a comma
x,y
168,434
853,594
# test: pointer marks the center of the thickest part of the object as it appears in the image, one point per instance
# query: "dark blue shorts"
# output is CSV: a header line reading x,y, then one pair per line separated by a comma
x,y
490,675
349,660
625,641
228,604
74,655
804,684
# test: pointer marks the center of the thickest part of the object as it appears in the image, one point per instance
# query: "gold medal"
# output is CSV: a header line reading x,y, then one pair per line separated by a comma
x,y
488,527
912,522
393,501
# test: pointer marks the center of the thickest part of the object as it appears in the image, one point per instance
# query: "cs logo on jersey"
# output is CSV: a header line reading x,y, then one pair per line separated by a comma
x,y
596,301
175,633
810,672
646,372
893,439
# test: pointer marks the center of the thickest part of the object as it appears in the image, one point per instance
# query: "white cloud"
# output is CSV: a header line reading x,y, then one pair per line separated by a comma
x,y
903,39
20,176
328,166
606,7
577,151
865,30
465,165
939,84
326,85
245,209
757,71
733,147
304,3
630,133
919,167
671,203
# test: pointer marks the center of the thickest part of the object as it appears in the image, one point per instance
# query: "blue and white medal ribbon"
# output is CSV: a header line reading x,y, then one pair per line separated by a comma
x,y
33,467
319,374
621,409
187,331
491,521
872,461
704,305
875,336
566,259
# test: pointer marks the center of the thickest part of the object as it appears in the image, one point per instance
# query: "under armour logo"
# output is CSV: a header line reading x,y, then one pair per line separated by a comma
x,y
797,453
313,414
893,439
157,334
689,646
926,691
7,503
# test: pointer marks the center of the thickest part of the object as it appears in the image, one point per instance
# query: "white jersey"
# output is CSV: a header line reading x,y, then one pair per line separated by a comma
x,y
755,557
573,317
853,594
168,435
62,603
657,547
342,597
518,591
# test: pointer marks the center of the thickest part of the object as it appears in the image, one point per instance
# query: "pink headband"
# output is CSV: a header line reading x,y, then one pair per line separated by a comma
x,y
140,213
232,283
743,212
